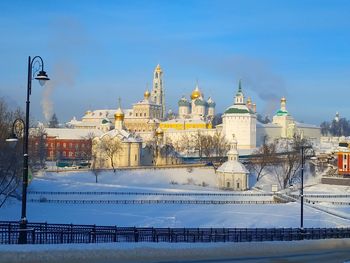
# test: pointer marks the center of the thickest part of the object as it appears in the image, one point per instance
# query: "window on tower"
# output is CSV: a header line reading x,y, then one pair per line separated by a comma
x,y
156,76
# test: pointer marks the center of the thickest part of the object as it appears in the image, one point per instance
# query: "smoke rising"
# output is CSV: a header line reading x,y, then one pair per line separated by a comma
x,y
67,39
62,75
257,75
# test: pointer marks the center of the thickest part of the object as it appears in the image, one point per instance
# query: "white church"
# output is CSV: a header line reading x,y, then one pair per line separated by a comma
x,y
240,119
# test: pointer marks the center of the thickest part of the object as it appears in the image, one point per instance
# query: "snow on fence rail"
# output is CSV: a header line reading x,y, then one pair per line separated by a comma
x,y
43,233
144,193
147,201
321,195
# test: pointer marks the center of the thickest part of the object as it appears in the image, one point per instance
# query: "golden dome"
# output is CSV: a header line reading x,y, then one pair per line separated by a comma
x,y
158,69
159,131
119,115
147,94
196,94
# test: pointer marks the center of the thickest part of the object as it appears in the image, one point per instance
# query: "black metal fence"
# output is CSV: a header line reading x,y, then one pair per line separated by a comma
x,y
149,202
142,193
43,233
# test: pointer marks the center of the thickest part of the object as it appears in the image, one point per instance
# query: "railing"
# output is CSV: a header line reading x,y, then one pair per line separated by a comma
x,y
43,233
143,193
148,201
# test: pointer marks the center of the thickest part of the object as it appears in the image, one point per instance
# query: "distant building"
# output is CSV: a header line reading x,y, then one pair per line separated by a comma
x,y
143,118
125,146
197,113
240,120
69,144
284,126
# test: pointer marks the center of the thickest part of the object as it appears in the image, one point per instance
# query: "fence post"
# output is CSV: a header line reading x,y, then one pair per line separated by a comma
x,y
136,235
115,234
33,235
9,235
71,234
94,234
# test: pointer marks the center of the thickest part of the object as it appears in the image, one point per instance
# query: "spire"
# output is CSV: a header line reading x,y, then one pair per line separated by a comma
x,y
239,98
120,102
232,154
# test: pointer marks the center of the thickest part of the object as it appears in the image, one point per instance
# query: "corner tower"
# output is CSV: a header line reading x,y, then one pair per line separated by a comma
x,y
157,94
240,120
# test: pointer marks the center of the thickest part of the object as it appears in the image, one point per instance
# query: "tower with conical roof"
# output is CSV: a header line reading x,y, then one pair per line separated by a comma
x,y
283,119
184,107
157,94
198,104
119,118
240,120
211,108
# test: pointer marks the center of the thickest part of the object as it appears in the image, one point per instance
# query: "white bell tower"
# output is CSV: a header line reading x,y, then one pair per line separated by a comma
x,y
157,94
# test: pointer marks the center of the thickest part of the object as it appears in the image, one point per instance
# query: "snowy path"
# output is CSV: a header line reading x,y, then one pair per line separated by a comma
x,y
330,251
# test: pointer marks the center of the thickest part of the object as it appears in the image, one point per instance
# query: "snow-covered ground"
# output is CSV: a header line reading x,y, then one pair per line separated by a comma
x,y
198,180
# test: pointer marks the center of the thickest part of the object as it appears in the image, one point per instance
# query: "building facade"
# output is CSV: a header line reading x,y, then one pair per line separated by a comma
x,y
232,175
117,147
196,113
283,125
240,119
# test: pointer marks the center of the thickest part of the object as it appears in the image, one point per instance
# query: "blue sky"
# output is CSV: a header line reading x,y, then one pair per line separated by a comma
x,y
96,51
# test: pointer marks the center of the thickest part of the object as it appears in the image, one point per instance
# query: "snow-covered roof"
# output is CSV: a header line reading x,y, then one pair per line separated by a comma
x,y
123,135
99,114
232,167
184,121
305,125
267,125
72,134
238,109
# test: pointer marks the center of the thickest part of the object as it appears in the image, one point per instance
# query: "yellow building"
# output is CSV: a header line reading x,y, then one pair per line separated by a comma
x,y
194,114
144,116
117,147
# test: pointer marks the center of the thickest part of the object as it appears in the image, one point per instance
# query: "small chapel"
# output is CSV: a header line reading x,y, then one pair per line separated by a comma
x,y
232,175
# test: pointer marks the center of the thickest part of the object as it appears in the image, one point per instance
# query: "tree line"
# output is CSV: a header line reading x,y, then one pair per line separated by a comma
x,y
336,127
280,158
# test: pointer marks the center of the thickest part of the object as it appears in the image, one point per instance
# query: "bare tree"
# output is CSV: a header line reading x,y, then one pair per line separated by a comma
x,y
262,159
86,148
207,143
111,147
220,144
11,159
287,163
95,168
37,147
198,140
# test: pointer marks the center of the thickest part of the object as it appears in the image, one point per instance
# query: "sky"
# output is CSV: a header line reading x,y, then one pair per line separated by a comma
x,y
97,51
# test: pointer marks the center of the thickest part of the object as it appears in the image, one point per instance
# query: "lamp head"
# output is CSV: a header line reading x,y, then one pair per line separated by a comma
x,y
42,77
12,141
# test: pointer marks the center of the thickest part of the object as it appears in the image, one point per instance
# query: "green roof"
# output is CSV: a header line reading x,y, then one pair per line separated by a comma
x,y
200,102
236,110
211,104
183,103
282,113
104,121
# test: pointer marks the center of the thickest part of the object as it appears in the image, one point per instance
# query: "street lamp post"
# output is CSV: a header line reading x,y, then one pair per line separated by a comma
x,y
303,148
302,190
42,77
